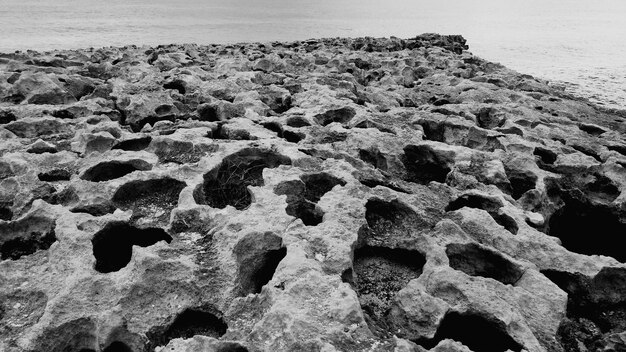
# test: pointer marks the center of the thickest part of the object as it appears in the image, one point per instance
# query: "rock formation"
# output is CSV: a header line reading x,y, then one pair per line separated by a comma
x,y
322,195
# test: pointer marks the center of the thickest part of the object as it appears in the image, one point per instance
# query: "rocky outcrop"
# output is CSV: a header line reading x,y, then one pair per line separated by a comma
x,y
322,195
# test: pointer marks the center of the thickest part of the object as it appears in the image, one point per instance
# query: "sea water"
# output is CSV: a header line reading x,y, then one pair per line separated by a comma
x,y
579,43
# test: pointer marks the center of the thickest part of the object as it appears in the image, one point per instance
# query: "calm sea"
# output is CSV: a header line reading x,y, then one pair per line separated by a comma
x,y
581,42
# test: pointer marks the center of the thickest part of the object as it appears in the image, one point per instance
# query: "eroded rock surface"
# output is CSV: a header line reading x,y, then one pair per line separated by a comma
x,y
322,195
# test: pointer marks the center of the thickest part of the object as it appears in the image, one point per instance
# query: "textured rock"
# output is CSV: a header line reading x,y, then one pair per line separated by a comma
x,y
322,195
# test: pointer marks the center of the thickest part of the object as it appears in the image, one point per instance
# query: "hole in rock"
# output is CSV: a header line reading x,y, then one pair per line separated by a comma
x,y
341,115
191,322
117,346
433,131
14,98
26,236
297,121
392,221
475,260
55,175
176,85
372,183
316,185
6,117
602,188
444,111
474,331
41,148
297,205
14,77
577,220
110,170
379,273
182,152
592,129
165,111
134,144
512,130
113,245
546,156
489,118
302,196
380,269
586,221
361,64
208,112
220,132
257,256
274,127
293,137
230,347
306,211
374,157
506,221
21,246
317,153
330,137
228,183
423,165
521,182
377,125
161,114
492,206
63,114
151,200
348,277
289,136
94,209
596,308
618,148
280,105
6,213
474,201
439,101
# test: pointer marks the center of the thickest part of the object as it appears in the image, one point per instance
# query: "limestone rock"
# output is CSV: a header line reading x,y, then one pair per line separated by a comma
x,y
366,194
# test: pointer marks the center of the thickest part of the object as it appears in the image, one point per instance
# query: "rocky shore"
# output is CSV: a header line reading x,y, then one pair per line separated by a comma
x,y
322,195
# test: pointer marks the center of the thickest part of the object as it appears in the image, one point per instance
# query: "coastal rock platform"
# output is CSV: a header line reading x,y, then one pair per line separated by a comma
x,y
322,195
